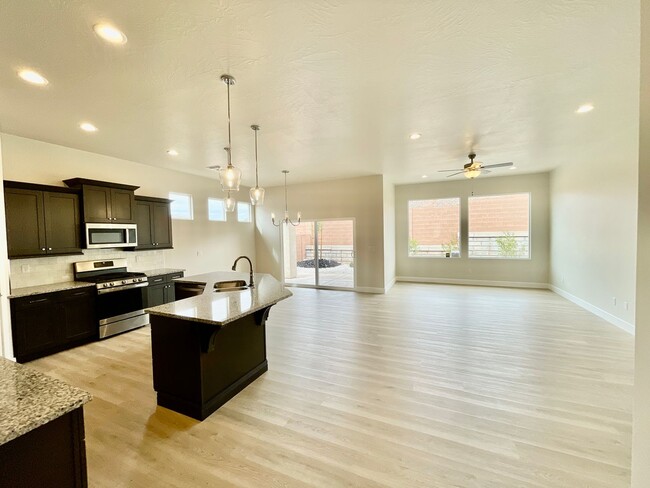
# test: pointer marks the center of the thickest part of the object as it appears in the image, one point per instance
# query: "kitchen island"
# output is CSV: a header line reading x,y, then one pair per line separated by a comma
x,y
207,348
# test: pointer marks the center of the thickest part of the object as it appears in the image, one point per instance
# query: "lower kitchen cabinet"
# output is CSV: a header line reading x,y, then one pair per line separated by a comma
x,y
51,322
161,289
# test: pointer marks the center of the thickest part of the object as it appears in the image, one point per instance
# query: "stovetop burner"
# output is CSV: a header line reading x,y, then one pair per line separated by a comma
x,y
111,277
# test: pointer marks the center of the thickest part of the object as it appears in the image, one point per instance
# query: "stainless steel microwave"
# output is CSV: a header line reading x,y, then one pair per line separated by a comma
x,y
111,235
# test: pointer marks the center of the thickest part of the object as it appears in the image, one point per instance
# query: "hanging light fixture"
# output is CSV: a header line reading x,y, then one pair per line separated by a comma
x,y
257,193
231,203
229,176
286,219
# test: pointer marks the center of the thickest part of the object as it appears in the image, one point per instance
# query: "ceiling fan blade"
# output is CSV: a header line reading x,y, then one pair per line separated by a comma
x,y
459,173
499,165
485,171
447,170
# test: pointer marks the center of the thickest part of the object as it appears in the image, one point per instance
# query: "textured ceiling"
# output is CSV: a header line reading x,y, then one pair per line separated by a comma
x,y
337,86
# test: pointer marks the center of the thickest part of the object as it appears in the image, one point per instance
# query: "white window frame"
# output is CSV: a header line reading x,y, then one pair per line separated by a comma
x,y
172,194
225,214
530,227
408,224
250,212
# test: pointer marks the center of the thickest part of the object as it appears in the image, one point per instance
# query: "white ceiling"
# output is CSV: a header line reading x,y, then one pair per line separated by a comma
x,y
336,85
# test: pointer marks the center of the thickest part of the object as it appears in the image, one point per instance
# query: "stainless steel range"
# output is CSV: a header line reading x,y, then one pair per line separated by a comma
x,y
119,294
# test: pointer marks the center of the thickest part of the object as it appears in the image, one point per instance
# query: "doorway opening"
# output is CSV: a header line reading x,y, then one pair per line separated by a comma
x,y
320,254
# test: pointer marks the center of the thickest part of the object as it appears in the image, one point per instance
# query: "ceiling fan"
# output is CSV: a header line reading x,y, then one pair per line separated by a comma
x,y
474,168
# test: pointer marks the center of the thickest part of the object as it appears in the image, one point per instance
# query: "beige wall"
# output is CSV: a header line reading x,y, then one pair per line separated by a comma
x,y
199,245
641,437
389,234
594,216
356,198
529,272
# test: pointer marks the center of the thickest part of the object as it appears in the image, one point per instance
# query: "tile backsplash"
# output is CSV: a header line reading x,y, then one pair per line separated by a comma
x,y
56,269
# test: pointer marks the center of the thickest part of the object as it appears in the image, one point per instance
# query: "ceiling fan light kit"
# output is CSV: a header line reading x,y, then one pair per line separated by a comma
x,y
474,168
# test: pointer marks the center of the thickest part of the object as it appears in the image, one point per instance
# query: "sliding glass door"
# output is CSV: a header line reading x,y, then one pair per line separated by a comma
x,y
319,254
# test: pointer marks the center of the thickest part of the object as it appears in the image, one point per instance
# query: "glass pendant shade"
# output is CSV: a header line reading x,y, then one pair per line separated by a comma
x,y
472,173
231,203
257,196
230,177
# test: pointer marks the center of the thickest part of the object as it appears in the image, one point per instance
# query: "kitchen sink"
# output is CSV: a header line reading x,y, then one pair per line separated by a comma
x,y
232,285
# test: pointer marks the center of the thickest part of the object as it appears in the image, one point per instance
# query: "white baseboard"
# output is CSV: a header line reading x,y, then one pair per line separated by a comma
x,y
453,281
369,289
612,319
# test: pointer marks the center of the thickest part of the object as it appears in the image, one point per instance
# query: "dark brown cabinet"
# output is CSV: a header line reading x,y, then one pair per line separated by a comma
x,y
153,217
161,290
41,220
104,201
51,322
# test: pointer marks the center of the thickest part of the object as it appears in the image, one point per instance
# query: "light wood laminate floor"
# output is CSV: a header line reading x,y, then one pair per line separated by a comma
x,y
427,386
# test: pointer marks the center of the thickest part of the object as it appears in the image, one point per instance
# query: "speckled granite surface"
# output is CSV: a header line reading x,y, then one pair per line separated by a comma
x,y
37,290
29,399
161,271
221,308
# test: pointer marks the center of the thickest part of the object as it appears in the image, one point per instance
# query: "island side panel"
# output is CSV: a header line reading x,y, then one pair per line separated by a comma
x,y
197,367
176,361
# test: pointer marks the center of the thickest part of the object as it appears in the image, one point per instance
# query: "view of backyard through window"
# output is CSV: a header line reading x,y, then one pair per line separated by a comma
x,y
434,227
499,226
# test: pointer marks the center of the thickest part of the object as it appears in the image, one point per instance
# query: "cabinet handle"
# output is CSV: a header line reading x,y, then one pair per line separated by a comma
x,y
49,248
39,300
42,249
79,293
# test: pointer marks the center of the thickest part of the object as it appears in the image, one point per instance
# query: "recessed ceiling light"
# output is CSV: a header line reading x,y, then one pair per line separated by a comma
x,y
583,109
88,127
172,152
110,33
424,176
31,76
415,136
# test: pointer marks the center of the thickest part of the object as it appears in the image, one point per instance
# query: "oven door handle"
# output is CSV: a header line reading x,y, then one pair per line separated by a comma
x,y
102,291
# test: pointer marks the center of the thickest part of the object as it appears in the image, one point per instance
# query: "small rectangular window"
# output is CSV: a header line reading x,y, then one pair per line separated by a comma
x,y
499,226
181,206
434,228
216,209
244,212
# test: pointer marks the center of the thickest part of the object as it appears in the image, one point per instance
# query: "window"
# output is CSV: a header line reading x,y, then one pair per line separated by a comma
x,y
244,212
216,209
181,206
499,226
434,228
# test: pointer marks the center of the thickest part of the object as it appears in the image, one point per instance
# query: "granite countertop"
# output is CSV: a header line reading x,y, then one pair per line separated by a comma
x,y
37,290
30,399
221,308
161,271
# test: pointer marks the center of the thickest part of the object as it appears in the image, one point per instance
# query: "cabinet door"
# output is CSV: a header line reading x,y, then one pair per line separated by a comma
x,y
156,295
162,225
62,222
122,206
80,319
144,220
170,293
25,222
36,324
97,203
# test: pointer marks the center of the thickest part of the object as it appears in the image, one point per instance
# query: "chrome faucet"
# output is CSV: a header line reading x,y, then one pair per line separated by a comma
x,y
234,266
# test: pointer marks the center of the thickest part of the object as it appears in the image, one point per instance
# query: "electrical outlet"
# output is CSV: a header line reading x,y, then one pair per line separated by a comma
x,y
626,305
614,301
25,268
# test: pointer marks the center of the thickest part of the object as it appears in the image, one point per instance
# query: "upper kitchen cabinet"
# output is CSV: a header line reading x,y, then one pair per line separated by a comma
x,y
104,201
41,220
153,217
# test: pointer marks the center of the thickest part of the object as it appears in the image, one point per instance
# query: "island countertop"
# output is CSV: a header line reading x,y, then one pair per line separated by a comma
x,y
222,308
30,399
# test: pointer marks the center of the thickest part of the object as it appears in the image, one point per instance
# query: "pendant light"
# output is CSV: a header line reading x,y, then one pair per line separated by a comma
x,y
257,193
229,176
286,219
231,203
